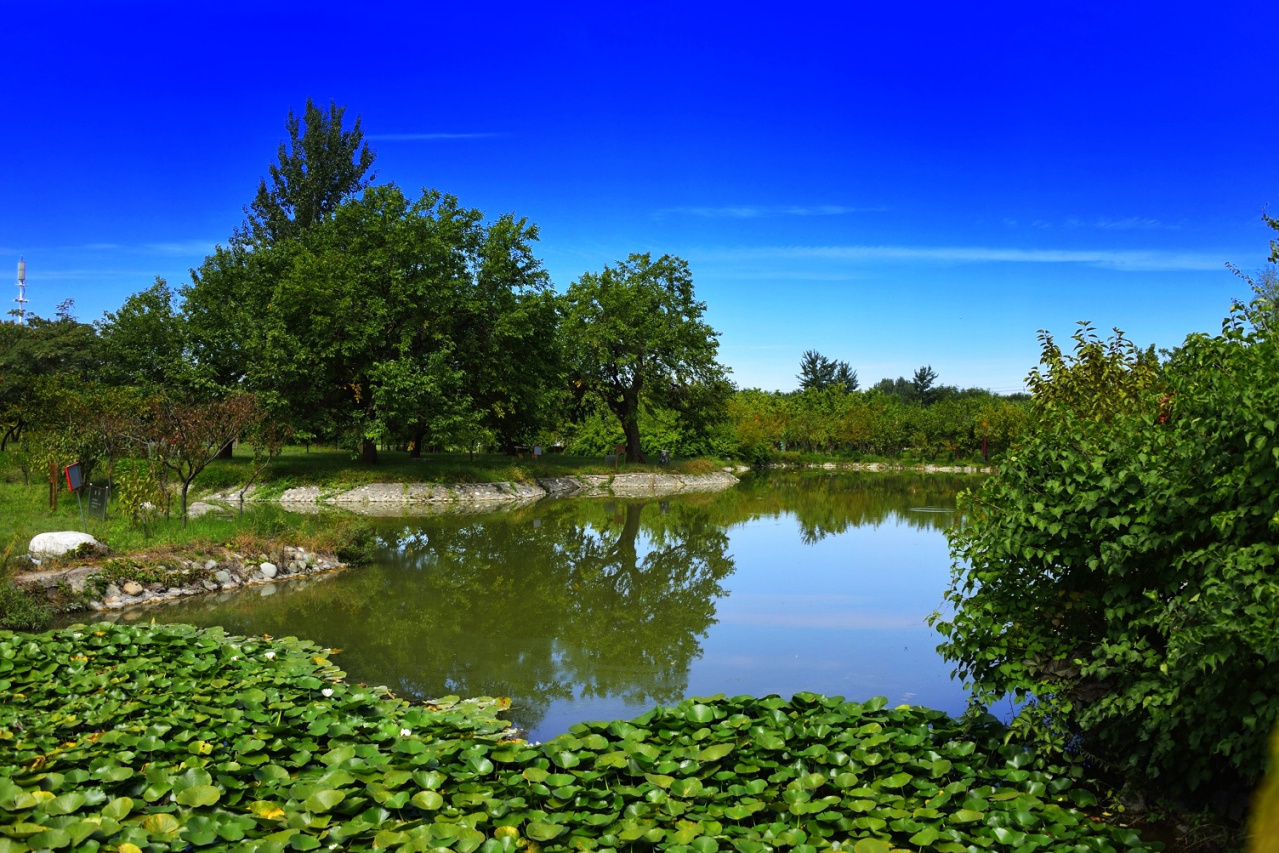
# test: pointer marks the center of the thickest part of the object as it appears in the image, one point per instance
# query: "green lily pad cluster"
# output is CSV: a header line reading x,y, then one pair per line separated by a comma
x,y
173,738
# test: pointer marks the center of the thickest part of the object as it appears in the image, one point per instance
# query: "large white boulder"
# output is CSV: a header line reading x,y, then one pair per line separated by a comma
x,y
61,542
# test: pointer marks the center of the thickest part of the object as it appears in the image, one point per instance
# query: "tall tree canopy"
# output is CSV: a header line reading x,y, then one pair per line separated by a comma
x,y
634,331
319,167
394,319
144,343
817,372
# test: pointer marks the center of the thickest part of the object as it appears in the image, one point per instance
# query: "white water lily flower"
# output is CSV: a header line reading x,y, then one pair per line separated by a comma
x,y
326,692
269,655
405,732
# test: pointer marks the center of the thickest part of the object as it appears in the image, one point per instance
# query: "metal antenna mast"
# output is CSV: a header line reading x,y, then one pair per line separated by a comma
x,y
22,291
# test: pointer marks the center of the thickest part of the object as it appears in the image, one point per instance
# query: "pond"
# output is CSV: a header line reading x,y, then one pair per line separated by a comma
x,y
599,609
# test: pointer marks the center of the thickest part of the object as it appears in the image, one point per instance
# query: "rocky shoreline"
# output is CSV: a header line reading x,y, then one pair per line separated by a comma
x,y
177,578
894,467
399,498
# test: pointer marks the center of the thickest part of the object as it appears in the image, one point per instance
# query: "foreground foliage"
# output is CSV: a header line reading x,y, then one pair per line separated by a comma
x,y
1121,566
169,737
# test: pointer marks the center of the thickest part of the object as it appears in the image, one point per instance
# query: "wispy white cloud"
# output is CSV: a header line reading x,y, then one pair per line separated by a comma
x,y
166,247
1127,260
182,247
92,275
1129,223
427,137
754,211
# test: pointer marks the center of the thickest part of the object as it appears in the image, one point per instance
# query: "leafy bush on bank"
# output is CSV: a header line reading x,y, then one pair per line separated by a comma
x,y
170,737
1121,567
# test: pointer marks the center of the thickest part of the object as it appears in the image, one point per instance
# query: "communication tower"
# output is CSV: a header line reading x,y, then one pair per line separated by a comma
x,y
22,291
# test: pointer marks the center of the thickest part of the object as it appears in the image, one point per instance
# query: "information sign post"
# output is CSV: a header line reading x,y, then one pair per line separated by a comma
x,y
75,482
98,497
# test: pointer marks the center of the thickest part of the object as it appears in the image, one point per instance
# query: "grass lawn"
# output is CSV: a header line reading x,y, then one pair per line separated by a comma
x,y
24,507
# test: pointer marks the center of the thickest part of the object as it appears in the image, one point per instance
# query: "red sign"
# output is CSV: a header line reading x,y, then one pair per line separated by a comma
x,y
74,480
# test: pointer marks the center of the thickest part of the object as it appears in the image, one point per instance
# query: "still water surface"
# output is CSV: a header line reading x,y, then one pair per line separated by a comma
x,y
596,609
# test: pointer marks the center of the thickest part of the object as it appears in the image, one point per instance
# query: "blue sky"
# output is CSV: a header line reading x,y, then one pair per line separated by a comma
x,y
890,184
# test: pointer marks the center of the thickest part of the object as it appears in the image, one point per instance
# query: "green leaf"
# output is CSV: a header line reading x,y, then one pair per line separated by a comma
x,y
925,837
541,831
699,714
715,752
428,800
64,804
323,801
686,788
118,809
199,795
872,845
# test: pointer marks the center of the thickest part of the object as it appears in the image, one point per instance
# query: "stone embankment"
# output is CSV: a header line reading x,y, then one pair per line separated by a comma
x,y
180,578
893,466
407,498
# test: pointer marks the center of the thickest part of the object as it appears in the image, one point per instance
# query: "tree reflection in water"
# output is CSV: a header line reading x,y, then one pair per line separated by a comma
x,y
559,601
583,603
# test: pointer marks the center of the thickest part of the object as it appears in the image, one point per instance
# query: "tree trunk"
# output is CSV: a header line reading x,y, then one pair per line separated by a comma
x,y
415,450
368,452
631,427
225,452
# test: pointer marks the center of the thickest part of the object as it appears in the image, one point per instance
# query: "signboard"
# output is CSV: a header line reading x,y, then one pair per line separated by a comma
x,y
74,479
98,497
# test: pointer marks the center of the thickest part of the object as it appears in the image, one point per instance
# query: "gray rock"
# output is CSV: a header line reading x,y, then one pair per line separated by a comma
x,y
210,585
112,591
210,565
62,542
223,577
268,570
132,588
200,508
301,494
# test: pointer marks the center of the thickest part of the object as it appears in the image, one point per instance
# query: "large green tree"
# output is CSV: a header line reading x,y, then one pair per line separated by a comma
x,y
394,320
634,331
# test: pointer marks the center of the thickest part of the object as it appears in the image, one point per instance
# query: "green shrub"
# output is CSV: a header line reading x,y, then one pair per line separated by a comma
x,y
22,610
1121,568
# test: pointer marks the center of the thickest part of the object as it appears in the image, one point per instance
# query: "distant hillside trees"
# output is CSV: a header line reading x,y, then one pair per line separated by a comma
x,y
888,420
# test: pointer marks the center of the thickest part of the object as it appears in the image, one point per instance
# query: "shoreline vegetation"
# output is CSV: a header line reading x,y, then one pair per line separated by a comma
x,y
152,572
